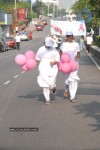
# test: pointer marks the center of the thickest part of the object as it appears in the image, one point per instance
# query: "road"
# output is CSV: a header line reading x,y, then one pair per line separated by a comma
x,y
62,125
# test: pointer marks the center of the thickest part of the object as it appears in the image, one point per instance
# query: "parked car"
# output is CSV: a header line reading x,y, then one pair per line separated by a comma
x,y
25,35
3,45
39,27
44,22
10,41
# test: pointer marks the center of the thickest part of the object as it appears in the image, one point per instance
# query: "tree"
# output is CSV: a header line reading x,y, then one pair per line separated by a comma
x,y
93,6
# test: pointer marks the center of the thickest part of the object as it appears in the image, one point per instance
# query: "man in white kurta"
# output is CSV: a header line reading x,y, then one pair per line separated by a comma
x,y
71,80
48,57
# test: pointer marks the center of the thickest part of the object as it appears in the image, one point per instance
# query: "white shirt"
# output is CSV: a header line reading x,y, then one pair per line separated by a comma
x,y
89,40
70,48
17,38
45,56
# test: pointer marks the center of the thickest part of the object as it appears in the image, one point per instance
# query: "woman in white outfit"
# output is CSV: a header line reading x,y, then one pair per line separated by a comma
x,y
71,80
48,57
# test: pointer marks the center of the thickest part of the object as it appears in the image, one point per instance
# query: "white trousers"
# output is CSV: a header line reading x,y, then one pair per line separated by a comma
x,y
73,89
71,84
46,92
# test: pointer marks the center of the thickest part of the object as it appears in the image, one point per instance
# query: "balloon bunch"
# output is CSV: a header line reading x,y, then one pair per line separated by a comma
x,y
26,61
67,65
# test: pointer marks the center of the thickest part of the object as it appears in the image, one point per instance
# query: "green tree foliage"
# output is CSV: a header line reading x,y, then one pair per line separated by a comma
x,y
93,6
62,12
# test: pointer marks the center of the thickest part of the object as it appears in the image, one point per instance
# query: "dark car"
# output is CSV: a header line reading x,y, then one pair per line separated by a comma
x,y
3,45
39,27
10,41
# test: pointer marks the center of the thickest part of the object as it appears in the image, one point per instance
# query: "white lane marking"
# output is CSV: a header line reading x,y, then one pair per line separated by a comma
x,y
16,76
94,62
23,72
7,82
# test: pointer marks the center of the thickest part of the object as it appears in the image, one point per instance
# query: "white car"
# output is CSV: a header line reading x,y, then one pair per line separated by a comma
x,y
24,36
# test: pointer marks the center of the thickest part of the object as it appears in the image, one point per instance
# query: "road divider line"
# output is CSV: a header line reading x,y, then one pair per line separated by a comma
x,y
94,62
7,82
16,76
23,72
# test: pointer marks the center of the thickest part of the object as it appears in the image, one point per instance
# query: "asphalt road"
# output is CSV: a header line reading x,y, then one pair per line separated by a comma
x,y
62,125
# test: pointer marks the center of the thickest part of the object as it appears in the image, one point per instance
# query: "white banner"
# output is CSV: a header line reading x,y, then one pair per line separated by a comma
x,y
60,27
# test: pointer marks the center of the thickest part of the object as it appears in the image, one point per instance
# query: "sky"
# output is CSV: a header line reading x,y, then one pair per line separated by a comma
x,y
67,3
64,3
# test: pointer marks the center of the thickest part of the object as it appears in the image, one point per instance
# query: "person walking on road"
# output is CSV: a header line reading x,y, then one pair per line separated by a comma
x,y
72,48
89,41
18,40
47,57
82,43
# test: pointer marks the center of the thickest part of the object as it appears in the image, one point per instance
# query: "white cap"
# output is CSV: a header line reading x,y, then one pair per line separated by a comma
x,y
69,33
49,42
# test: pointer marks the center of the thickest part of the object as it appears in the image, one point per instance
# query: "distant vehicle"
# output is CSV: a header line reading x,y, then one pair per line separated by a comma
x,y
41,23
3,45
10,41
39,27
50,15
29,34
25,35
44,22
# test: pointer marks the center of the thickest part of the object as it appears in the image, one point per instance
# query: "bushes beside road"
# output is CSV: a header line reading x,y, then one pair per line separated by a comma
x,y
97,41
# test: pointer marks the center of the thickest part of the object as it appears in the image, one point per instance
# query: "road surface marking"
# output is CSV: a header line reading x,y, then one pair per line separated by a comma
x,y
7,82
16,76
23,72
94,62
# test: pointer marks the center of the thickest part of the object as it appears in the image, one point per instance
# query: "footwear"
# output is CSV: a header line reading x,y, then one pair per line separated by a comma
x,y
54,90
65,94
47,102
73,100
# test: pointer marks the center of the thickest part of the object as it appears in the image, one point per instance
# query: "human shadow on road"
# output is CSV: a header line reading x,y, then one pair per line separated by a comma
x,y
85,60
36,95
88,91
91,110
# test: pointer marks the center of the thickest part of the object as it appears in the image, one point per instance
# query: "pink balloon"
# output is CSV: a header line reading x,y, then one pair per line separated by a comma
x,y
29,54
66,67
25,68
31,63
73,65
60,66
20,59
65,58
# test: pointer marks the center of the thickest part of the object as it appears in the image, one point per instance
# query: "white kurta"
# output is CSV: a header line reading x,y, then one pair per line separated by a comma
x,y
71,49
71,78
47,73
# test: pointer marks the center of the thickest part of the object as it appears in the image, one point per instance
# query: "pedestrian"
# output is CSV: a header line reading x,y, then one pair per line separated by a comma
x,y
18,40
16,29
47,57
82,43
7,34
89,41
55,41
59,40
71,47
